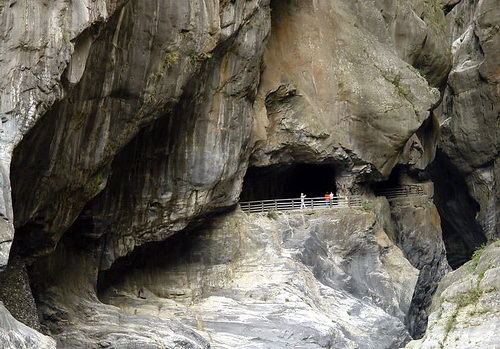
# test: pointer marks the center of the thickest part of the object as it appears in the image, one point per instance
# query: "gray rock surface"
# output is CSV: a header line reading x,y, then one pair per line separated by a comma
x,y
35,50
70,311
189,73
418,234
465,308
469,112
341,91
14,334
330,278
125,123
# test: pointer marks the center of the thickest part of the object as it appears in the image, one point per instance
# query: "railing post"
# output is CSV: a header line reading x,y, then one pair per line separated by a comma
x,y
349,201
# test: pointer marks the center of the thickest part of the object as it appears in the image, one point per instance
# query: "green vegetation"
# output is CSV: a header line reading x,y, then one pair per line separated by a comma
x,y
467,298
273,213
171,58
476,256
198,57
434,15
402,90
367,206
450,324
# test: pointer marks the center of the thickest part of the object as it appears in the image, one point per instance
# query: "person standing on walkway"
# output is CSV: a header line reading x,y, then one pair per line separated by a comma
x,y
331,199
327,199
302,200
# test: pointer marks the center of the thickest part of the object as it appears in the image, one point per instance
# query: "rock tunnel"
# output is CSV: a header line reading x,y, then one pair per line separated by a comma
x,y
280,182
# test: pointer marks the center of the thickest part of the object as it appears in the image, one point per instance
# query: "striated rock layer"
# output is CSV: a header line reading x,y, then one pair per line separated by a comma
x,y
272,281
131,128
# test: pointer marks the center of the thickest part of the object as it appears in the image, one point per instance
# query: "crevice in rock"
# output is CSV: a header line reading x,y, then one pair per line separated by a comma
x,y
288,181
462,234
166,269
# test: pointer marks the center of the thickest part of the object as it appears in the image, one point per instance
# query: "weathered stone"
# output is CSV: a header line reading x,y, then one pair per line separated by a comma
x,y
465,308
71,312
470,108
196,78
355,100
35,48
138,119
418,234
316,279
14,334
15,293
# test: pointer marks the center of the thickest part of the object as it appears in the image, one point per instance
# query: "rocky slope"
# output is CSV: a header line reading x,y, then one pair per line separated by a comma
x,y
130,129
272,281
465,310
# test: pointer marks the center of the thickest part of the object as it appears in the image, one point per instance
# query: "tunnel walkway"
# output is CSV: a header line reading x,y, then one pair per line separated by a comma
x,y
335,202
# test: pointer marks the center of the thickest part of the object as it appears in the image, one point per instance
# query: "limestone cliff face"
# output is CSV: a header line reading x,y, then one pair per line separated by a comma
x,y
469,116
336,90
131,128
275,281
186,75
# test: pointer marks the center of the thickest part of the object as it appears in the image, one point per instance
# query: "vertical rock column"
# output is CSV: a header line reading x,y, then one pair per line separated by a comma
x,y
418,234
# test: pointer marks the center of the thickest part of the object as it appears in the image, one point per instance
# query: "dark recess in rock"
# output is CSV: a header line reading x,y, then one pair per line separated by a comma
x,y
288,181
462,234
173,254
393,181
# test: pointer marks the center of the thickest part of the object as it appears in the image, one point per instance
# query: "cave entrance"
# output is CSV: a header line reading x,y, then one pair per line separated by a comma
x,y
462,234
287,181
394,180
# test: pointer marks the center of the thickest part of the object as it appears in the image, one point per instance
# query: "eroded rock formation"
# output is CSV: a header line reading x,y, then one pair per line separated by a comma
x,y
465,311
469,143
131,128
274,281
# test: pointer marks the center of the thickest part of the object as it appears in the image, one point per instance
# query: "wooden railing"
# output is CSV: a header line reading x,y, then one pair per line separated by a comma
x,y
321,202
295,203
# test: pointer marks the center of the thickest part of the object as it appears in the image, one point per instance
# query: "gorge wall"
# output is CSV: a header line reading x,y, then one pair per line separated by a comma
x,y
130,129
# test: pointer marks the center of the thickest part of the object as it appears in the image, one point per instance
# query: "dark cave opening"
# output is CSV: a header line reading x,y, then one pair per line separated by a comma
x,y
393,181
462,234
281,182
165,267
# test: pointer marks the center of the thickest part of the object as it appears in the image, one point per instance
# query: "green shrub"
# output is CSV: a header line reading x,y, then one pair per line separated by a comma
x,y
272,213
367,205
476,256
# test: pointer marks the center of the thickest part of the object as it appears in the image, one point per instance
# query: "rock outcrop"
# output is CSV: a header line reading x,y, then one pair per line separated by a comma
x,y
465,309
469,144
336,91
187,72
130,129
274,280
14,334
418,234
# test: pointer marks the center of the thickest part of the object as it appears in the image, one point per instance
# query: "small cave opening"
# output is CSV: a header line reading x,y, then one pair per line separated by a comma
x,y
394,180
462,234
288,181
178,268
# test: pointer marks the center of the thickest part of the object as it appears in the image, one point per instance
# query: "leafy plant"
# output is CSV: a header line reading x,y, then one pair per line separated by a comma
x,y
367,206
476,256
